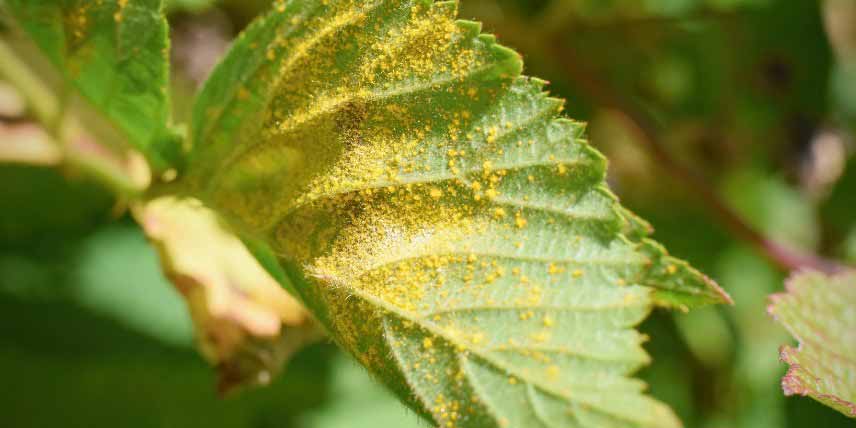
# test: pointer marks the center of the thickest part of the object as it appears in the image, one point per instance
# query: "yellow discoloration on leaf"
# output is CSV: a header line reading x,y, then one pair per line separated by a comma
x,y
390,176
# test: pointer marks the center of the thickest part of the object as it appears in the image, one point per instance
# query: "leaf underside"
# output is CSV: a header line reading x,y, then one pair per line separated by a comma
x,y
820,312
436,214
115,53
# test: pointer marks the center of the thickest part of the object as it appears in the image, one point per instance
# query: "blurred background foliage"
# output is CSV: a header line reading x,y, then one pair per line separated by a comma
x,y
758,97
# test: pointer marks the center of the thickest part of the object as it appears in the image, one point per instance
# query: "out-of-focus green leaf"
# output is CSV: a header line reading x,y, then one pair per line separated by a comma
x,y
850,247
358,401
599,11
38,203
751,400
820,312
707,334
61,365
784,214
669,379
774,208
115,54
837,210
840,19
117,277
436,214
188,5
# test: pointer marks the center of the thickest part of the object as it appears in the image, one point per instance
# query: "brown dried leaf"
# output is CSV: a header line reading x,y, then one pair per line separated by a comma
x,y
247,325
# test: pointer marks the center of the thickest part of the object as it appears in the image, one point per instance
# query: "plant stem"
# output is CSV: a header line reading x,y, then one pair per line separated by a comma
x,y
65,131
41,102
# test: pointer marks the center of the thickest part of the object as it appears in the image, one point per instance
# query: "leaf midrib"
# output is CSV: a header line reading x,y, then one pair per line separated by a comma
x,y
533,259
502,308
563,351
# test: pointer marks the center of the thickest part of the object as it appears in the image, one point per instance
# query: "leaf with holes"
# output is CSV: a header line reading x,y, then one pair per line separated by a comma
x,y
820,312
115,54
436,213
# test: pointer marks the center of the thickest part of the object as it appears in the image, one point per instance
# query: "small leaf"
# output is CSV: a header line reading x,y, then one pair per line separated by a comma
x,y
115,54
247,325
436,213
820,312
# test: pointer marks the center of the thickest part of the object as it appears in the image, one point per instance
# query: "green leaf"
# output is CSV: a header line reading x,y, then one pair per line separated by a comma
x,y
115,53
820,312
436,214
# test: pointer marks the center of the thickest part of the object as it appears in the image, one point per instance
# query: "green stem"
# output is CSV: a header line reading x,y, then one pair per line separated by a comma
x,y
42,103
63,128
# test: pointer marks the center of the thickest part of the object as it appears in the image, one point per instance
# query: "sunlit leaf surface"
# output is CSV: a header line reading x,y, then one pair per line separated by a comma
x,y
820,312
437,214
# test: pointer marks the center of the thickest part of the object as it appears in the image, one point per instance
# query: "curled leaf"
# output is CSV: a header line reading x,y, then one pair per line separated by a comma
x,y
247,325
820,312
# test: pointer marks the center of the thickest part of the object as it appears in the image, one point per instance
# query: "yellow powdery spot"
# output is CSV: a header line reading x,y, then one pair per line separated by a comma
x,y
436,193
629,299
120,10
491,135
541,336
423,48
427,343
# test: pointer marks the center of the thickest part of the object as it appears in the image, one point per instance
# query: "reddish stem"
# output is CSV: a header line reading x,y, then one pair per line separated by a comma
x,y
646,130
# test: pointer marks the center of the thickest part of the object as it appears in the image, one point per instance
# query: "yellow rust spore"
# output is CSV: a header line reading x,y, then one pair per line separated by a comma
x,y
400,199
